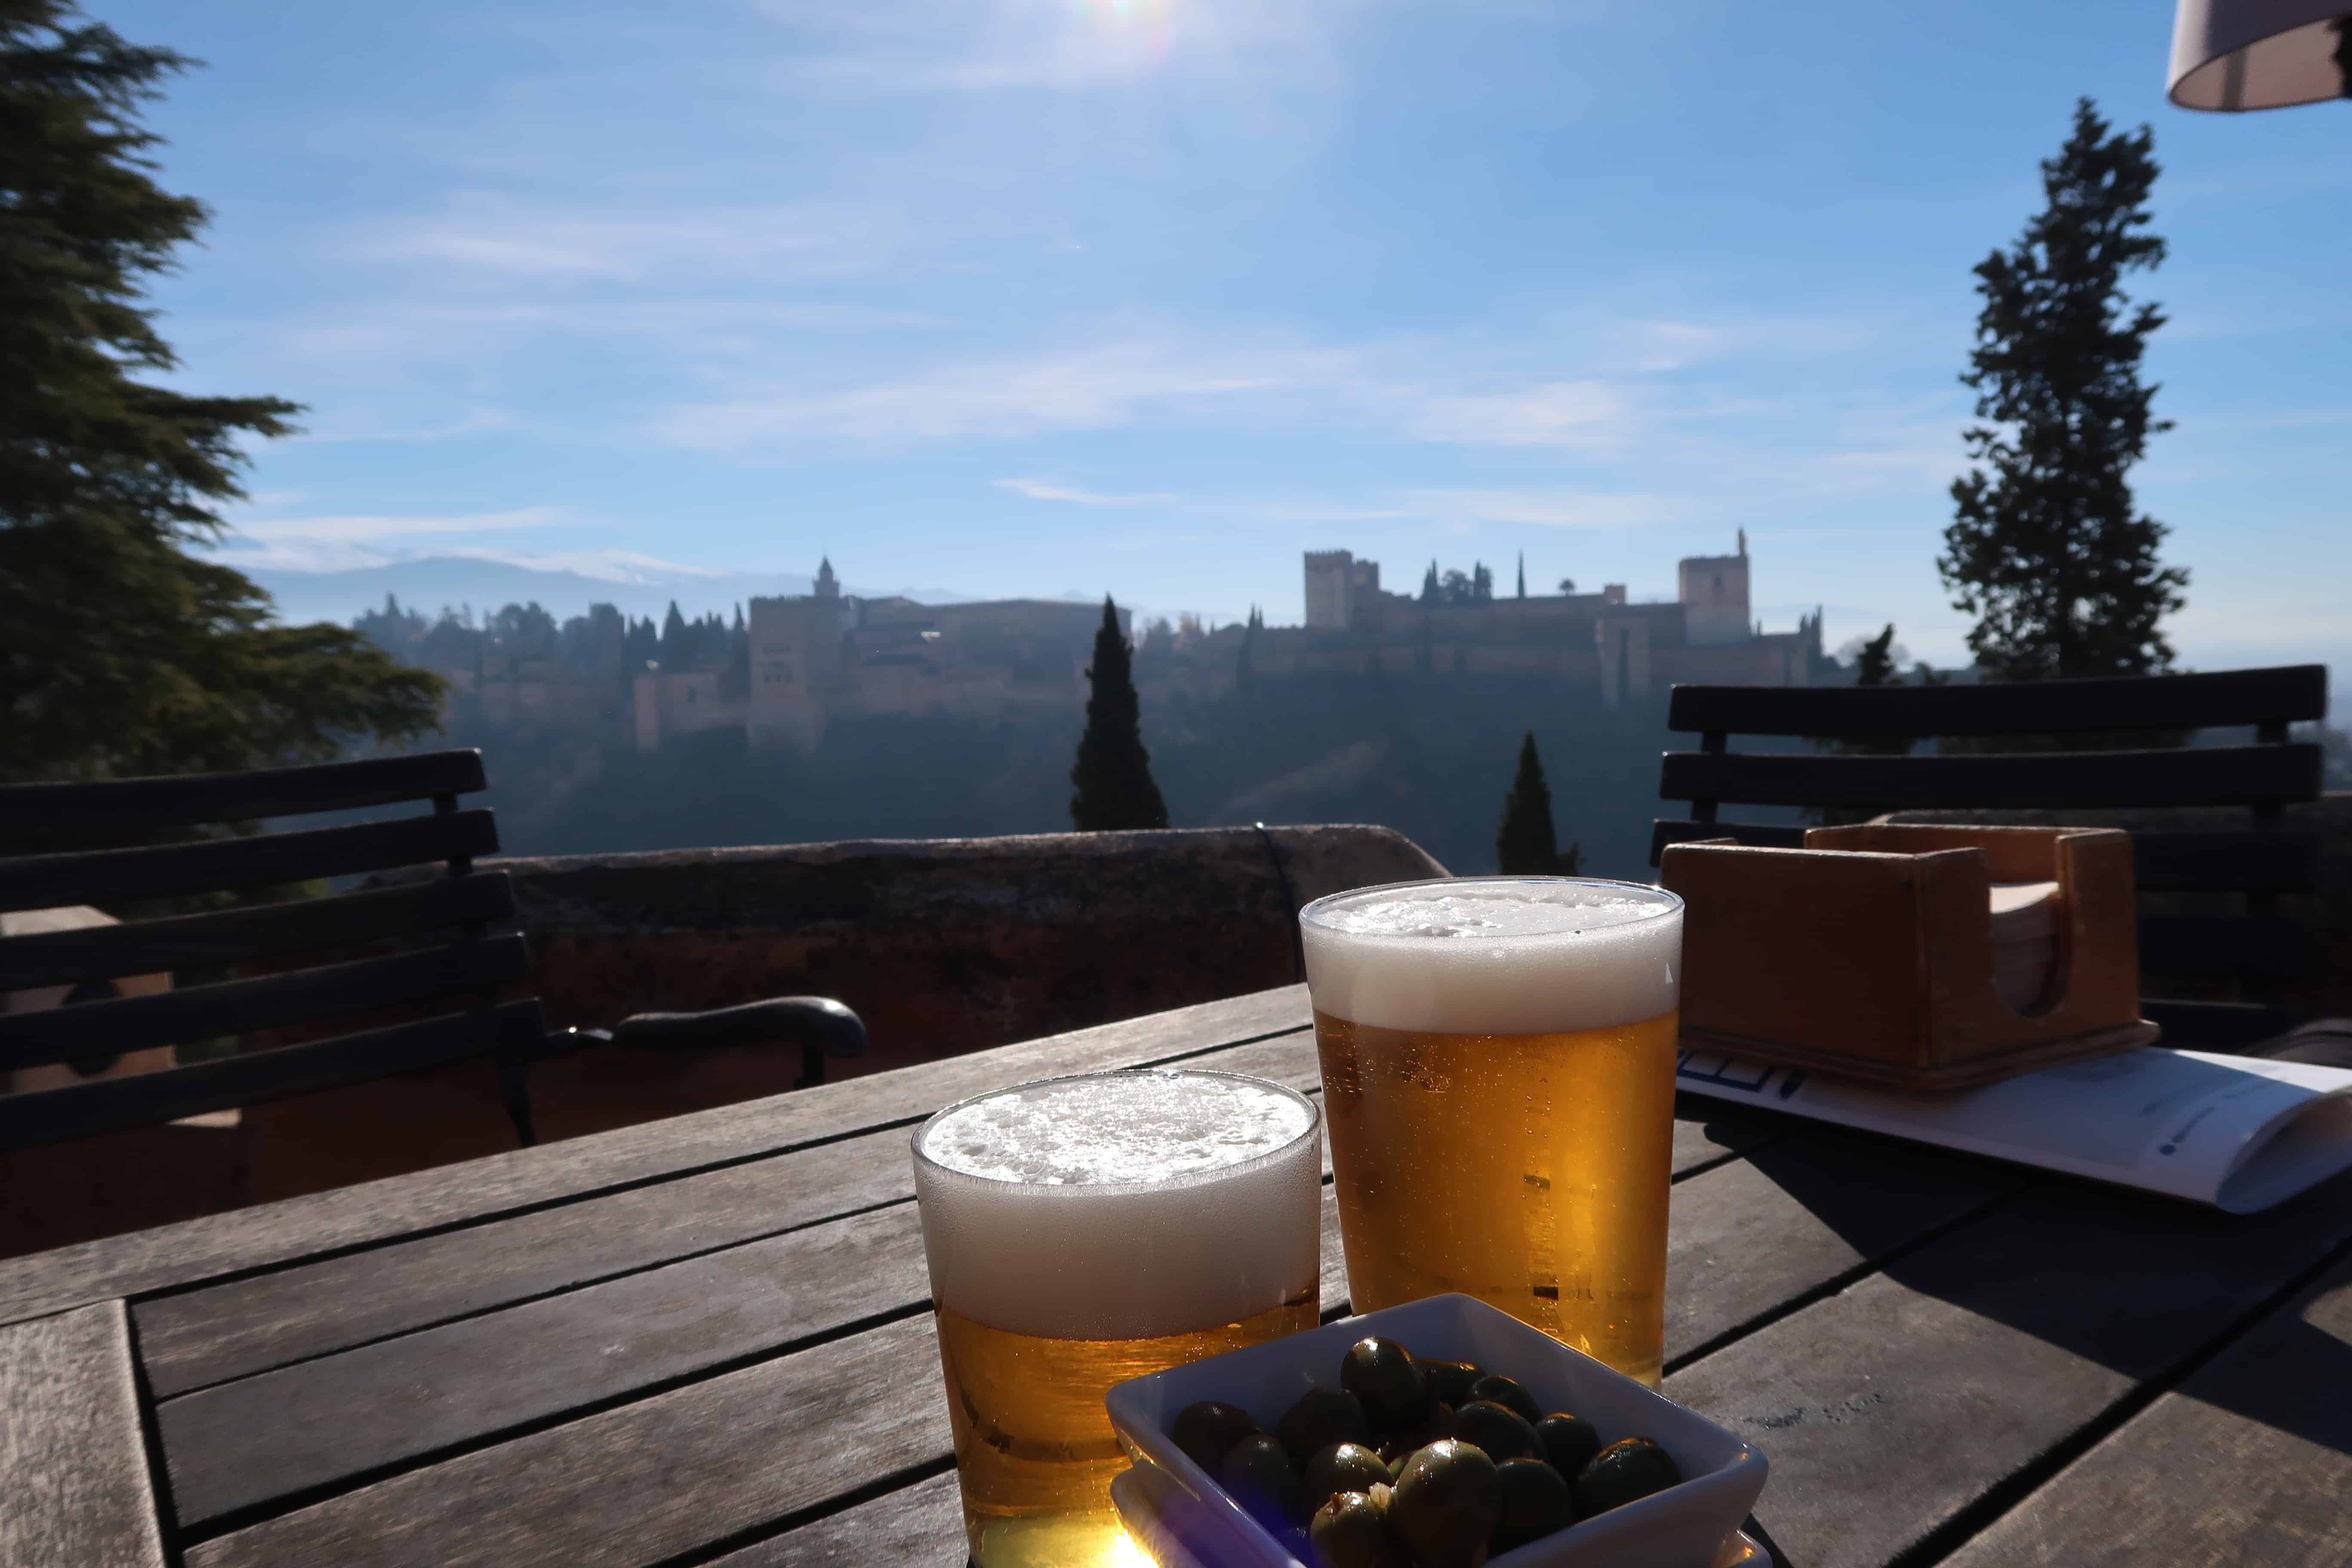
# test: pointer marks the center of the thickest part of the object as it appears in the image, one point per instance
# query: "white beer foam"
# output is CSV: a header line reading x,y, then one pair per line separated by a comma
x,y
1121,1205
1509,956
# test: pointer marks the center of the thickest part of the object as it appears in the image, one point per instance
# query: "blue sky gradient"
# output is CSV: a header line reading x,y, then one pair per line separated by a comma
x,y
1018,297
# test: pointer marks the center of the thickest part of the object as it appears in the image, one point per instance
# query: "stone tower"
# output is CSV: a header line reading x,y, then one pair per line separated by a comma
x,y
1714,595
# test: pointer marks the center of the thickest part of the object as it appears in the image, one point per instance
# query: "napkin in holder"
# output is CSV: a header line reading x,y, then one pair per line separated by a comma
x,y
1915,956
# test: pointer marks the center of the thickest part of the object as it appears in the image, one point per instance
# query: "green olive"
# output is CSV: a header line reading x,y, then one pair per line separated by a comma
x,y
1342,1467
1506,1392
1625,1472
1207,1432
1498,1431
1349,1532
1450,1380
1445,1505
1384,1376
1570,1442
1322,1417
1259,1476
1536,1502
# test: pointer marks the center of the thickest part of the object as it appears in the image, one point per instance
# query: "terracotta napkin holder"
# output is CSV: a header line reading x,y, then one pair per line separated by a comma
x,y
1871,952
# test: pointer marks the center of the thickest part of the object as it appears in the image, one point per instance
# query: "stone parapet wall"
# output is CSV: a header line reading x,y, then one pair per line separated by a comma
x,y
942,946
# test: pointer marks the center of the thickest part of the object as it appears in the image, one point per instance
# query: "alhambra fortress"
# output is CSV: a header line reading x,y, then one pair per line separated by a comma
x,y
825,654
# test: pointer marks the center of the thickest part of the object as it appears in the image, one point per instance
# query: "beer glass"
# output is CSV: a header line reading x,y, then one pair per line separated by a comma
x,y
1086,1230
1499,1072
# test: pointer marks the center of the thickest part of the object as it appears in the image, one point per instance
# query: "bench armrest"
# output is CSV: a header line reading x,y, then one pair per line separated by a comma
x,y
817,1023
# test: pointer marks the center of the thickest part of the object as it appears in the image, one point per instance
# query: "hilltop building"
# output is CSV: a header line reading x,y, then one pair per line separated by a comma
x,y
818,656
1707,634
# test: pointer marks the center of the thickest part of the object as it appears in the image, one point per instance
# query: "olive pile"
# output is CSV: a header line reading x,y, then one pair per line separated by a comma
x,y
1412,1463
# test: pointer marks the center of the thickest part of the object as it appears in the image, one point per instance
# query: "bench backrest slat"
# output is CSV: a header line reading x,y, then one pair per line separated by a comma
x,y
2225,699
271,1001
225,937
108,875
114,805
2191,776
106,1105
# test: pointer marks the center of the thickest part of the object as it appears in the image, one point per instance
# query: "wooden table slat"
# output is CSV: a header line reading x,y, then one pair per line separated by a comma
x,y
73,1462
196,1338
920,1526
1888,1407
2249,1460
174,1256
642,1483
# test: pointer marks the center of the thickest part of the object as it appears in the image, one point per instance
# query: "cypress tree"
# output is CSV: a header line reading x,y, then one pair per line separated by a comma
x,y
1526,845
119,652
1430,591
676,653
1113,773
2046,548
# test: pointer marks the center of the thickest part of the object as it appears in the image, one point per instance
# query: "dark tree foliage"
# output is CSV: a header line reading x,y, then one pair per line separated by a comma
x,y
121,653
1875,664
1526,845
1431,592
2046,548
1113,773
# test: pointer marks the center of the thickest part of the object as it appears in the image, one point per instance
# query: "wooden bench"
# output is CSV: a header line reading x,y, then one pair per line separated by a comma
x,y
432,970
2251,950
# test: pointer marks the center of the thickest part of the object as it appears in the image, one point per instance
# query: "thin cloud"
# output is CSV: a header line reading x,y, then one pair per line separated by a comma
x,y
1046,489
1589,414
359,529
497,238
1083,389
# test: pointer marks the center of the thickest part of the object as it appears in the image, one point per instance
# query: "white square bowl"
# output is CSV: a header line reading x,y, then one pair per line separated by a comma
x,y
1683,1527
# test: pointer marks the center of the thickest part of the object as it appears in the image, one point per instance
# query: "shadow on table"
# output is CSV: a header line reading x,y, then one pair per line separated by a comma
x,y
2137,1284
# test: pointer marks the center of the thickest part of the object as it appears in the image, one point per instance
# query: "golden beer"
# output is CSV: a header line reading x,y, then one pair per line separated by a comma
x,y
1498,1062
1085,1231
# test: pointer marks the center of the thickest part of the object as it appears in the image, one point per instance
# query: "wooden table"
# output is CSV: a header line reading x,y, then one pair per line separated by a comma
x,y
706,1341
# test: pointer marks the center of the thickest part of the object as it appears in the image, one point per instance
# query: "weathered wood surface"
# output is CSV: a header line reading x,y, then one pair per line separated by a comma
x,y
237,1443
1893,1406
227,1331
267,1234
73,1464
2248,1461
645,1482
922,1524
730,1360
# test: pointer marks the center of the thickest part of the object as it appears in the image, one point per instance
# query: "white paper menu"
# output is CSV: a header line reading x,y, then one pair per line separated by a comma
x,y
2239,1133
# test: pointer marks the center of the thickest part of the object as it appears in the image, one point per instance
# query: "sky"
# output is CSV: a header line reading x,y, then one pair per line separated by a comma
x,y
1146,297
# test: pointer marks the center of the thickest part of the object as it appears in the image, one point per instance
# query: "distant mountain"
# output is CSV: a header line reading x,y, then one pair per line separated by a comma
x,y
429,583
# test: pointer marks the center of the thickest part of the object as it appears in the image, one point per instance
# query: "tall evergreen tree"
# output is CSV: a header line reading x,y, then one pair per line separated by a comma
x,y
1874,663
1526,844
1431,592
2046,548
119,652
676,654
1113,773
1523,574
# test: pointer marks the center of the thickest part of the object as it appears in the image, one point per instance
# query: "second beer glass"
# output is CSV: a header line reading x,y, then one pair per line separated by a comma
x,y
1499,1074
1083,1231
